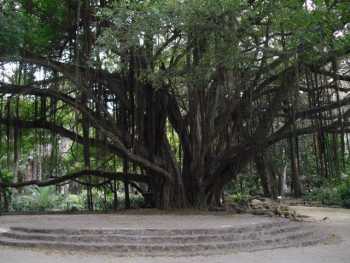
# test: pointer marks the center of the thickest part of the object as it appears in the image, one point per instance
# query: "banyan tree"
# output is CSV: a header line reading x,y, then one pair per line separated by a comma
x,y
183,93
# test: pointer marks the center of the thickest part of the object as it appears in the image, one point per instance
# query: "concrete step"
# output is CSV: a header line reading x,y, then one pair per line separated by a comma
x,y
153,242
119,238
300,238
160,232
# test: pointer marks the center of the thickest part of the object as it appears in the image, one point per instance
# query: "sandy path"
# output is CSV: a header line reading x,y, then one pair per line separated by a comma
x,y
338,222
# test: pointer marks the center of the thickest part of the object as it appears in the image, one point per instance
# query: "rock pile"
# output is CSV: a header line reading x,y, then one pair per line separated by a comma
x,y
264,206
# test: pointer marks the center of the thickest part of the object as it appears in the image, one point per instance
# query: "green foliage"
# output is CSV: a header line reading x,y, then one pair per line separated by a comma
x,y
36,199
47,199
334,193
247,184
6,176
136,201
104,201
73,202
325,195
344,192
238,198
37,26
11,34
226,34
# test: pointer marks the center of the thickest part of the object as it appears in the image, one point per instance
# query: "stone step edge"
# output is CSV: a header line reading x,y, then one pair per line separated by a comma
x,y
148,231
307,242
177,254
155,239
274,230
164,246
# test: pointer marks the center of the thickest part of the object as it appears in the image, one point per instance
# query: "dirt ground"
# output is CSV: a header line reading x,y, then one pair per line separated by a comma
x,y
127,221
333,219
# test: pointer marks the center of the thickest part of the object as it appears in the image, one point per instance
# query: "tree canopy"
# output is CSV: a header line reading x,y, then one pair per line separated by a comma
x,y
185,93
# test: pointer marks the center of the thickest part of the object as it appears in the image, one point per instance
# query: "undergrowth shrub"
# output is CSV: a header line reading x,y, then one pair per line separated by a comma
x,y
336,193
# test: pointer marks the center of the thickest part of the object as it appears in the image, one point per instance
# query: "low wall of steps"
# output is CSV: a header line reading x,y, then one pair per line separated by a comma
x,y
168,242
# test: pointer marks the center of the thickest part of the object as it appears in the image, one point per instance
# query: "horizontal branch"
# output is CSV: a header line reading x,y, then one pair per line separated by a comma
x,y
330,74
331,106
35,90
284,132
118,149
56,129
74,176
69,70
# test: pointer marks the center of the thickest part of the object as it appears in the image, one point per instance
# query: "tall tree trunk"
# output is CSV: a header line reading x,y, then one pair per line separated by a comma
x,y
87,162
261,170
296,184
126,183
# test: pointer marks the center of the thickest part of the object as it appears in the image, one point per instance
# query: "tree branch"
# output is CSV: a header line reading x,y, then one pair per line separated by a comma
x,y
75,175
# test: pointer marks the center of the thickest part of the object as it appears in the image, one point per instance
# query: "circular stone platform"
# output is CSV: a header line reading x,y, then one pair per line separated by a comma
x,y
156,235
